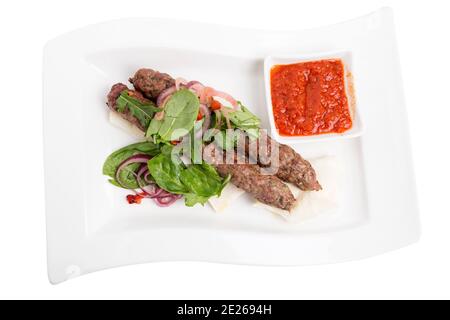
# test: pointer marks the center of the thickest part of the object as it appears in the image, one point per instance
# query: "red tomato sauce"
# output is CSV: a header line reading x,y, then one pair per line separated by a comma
x,y
309,98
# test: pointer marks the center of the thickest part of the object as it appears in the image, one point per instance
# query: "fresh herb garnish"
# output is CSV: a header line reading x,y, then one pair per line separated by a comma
x,y
180,114
167,174
245,120
144,112
197,182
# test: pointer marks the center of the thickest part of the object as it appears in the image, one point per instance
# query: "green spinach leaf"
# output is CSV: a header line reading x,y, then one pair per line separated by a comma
x,y
196,182
153,129
180,113
191,200
200,181
245,120
167,173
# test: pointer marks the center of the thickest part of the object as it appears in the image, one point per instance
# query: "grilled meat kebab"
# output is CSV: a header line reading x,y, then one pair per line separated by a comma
x,y
291,166
248,177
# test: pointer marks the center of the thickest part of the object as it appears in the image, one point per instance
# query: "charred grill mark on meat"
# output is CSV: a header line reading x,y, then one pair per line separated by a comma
x,y
151,83
291,166
248,177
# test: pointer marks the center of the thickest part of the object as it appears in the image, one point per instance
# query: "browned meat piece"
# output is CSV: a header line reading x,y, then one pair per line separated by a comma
x,y
151,83
294,169
115,92
291,166
265,188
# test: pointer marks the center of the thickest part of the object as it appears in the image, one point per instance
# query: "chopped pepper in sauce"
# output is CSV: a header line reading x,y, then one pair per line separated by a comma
x,y
310,98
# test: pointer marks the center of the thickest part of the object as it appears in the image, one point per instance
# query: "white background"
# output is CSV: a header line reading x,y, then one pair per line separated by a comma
x,y
419,271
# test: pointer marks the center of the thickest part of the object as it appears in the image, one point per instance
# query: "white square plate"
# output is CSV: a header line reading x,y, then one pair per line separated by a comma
x,y
89,225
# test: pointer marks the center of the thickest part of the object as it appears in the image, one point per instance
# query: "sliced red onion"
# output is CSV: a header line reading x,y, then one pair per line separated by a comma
x,y
164,95
167,201
206,94
226,97
158,193
206,113
150,189
143,169
179,82
138,158
191,83
163,194
148,177
197,88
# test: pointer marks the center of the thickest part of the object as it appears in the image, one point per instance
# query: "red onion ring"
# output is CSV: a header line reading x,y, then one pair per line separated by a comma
x,y
179,82
163,194
142,170
191,83
148,177
206,95
197,88
206,113
226,97
164,95
158,193
167,201
138,158
149,188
